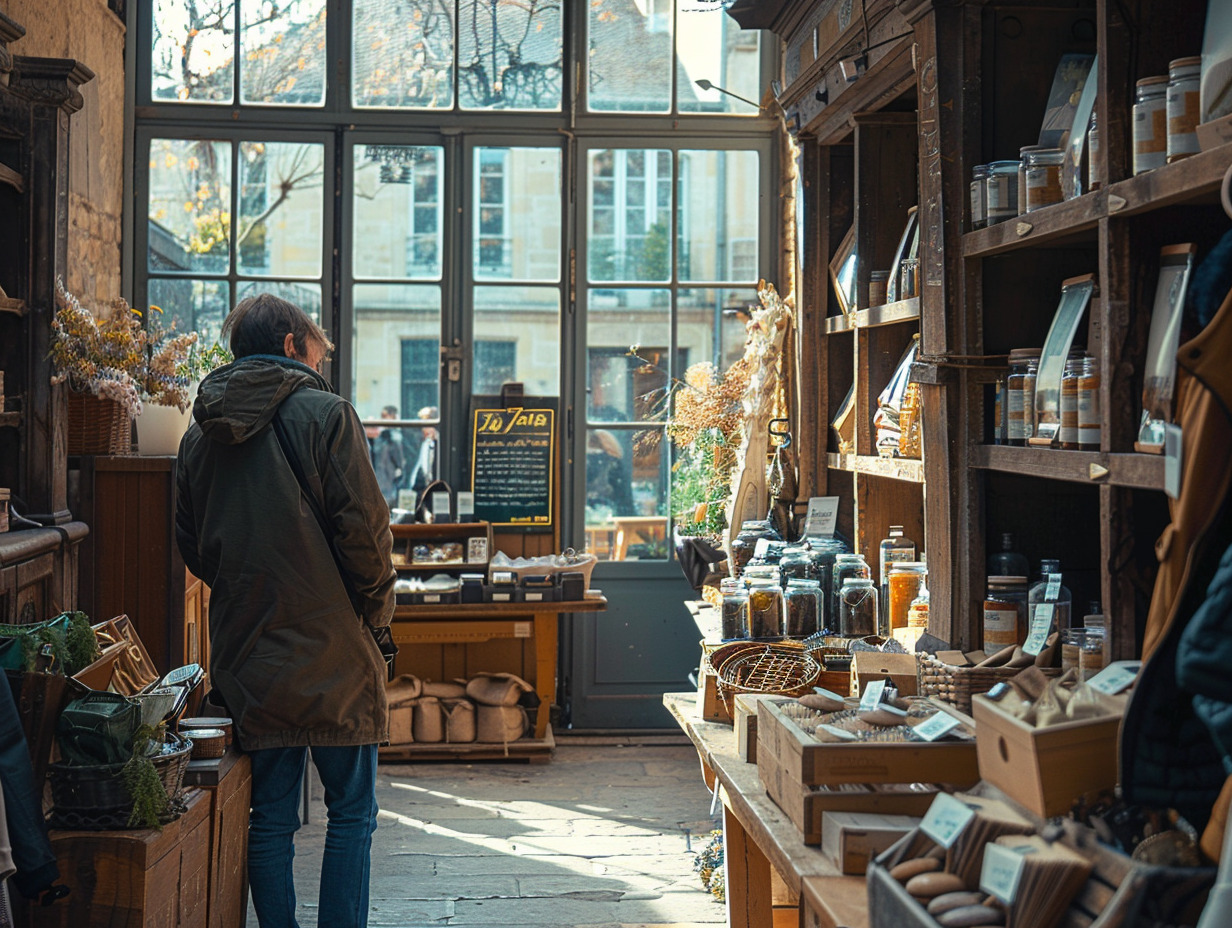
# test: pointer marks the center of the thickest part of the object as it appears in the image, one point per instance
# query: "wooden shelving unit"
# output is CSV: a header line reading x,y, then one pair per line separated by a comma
x,y
907,469
886,314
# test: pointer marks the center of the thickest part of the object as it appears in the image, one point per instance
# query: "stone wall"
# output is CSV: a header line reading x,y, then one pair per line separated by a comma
x,y
89,32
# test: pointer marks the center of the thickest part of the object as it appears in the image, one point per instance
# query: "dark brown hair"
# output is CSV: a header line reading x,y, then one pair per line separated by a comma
x,y
259,325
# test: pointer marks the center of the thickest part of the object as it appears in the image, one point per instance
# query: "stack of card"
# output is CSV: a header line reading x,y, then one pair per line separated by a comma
x,y
1036,880
993,818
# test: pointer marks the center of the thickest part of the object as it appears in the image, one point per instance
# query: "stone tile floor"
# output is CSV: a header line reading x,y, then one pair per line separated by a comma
x,y
603,836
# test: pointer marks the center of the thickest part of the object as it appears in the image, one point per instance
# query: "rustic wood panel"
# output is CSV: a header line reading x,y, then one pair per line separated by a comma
x,y
880,503
886,188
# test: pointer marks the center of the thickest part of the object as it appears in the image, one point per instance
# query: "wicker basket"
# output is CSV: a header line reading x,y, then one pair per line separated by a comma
x,y
206,742
94,798
97,425
784,668
956,685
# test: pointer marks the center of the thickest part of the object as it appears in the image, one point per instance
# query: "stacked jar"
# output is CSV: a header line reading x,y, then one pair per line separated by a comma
x,y
1024,157
1001,192
1020,395
847,566
735,609
1150,118
857,608
1183,108
1043,178
1090,429
744,545
1069,402
978,192
765,608
802,608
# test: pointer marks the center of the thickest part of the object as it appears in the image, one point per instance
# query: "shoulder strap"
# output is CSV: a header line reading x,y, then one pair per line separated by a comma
x,y
288,451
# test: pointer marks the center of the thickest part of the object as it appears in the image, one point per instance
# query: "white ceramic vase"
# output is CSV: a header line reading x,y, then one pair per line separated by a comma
x,y
160,428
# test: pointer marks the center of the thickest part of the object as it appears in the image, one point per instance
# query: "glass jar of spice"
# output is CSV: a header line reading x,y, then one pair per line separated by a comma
x,y
1020,395
744,545
1069,403
765,609
1005,612
1091,660
734,609
857,613
802,603
1183,107
906,578
1089,426
797,563
1001,191
1150,118
1024,157
979,179
845,567
1043,178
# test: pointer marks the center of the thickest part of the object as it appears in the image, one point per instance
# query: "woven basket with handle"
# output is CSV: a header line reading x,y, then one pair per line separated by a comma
x,y
97,425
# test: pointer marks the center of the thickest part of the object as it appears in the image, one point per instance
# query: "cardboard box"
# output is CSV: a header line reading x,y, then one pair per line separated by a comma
x,y
710,705
900,669
852,839
810,762
400,724
1046,769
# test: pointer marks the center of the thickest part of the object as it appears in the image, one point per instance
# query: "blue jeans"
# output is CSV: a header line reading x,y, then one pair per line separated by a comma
x,y
349,777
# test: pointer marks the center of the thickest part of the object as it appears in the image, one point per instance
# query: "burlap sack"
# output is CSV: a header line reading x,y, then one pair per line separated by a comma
x,y
499,724
444,689
403,689
496,689
459,720
429,724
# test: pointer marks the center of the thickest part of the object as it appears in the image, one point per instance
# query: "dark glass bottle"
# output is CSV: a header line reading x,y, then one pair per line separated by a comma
x,y
1007,562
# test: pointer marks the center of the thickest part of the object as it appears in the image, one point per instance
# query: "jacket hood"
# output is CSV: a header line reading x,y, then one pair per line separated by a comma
x,y
238,400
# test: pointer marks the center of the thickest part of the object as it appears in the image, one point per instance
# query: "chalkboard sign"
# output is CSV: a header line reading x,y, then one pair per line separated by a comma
x,y
513,452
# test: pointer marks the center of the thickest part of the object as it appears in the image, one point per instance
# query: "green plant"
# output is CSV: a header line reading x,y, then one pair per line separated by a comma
x,y
72,649
142,781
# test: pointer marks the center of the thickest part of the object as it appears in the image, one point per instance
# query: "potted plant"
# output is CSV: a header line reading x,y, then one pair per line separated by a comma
x,y
175,364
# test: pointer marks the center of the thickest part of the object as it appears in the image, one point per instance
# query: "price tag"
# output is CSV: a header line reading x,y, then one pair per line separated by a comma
x,y
1053,590
1172,460
1041,624
1001,871
935,726
762,546
946,818
838,732
822,516
872,695
1115,677
829,694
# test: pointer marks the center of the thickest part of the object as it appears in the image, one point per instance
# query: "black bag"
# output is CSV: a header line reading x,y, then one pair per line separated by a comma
x,y
699,560
382,636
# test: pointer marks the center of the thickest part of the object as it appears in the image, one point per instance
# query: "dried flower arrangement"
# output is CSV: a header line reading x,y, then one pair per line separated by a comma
x,y
112,355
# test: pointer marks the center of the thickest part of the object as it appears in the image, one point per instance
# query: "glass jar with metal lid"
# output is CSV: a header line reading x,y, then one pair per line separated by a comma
x,y
765,609
1069,402
906,578
1150,119
847,566
979,213
745,543
1001,192
1005,612
755,572
734,609
857,611
1183,107
802,608
798,563
1043,178
769,553
1020,395
1024,157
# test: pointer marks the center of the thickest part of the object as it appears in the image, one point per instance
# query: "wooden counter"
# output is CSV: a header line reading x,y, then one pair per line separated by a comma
x,y
773,878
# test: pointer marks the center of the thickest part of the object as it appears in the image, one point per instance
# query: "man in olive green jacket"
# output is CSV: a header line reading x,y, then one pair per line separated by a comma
x,y
289,651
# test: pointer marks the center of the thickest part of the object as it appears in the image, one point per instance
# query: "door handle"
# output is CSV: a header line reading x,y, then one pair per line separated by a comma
x,y
451,358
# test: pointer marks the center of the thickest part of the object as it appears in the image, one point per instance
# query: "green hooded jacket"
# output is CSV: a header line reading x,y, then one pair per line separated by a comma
x,y
291,658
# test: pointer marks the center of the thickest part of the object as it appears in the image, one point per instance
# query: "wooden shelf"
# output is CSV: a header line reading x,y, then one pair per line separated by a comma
x,y
459,566
494,610
532,750
1137,471
887,314
10,419
1192,180
10,305
909,470
12,178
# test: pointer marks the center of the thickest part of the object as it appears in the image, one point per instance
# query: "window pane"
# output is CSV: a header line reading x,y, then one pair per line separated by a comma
x,y
710,325
627,336
509,54
281,219
712,47
398,218
283,49
630,61
517,214
304,295
404,57
626,494
192,305
517,337
631,239
193,50
397,348
718,217
190,205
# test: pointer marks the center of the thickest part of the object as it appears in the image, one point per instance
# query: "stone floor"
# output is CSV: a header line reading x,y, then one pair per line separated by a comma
x,y
603,836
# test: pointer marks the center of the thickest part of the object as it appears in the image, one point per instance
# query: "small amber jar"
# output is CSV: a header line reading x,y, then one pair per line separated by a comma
x,y
1089,426
1043,178
906,578
1069,404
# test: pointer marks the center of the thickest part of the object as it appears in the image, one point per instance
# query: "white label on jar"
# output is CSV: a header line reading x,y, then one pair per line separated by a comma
x,y
1014,420
1183,109
1000,626
1088,407
1150,135
1000,201
977,201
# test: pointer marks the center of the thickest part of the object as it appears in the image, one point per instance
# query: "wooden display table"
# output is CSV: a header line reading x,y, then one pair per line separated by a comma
x,y
773,878
518,638
227,780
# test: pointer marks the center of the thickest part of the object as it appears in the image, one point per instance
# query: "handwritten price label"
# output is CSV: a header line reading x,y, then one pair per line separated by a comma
x,y
936,726
946,819
872,695
1041,624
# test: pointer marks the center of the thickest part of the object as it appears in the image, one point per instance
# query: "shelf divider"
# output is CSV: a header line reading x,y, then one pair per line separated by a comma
x,y
1133,470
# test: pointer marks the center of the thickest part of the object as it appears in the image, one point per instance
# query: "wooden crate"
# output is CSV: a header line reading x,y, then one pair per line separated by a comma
x,y
135,879
1046,769
808,762
804,805
833,901
228,782
746,725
